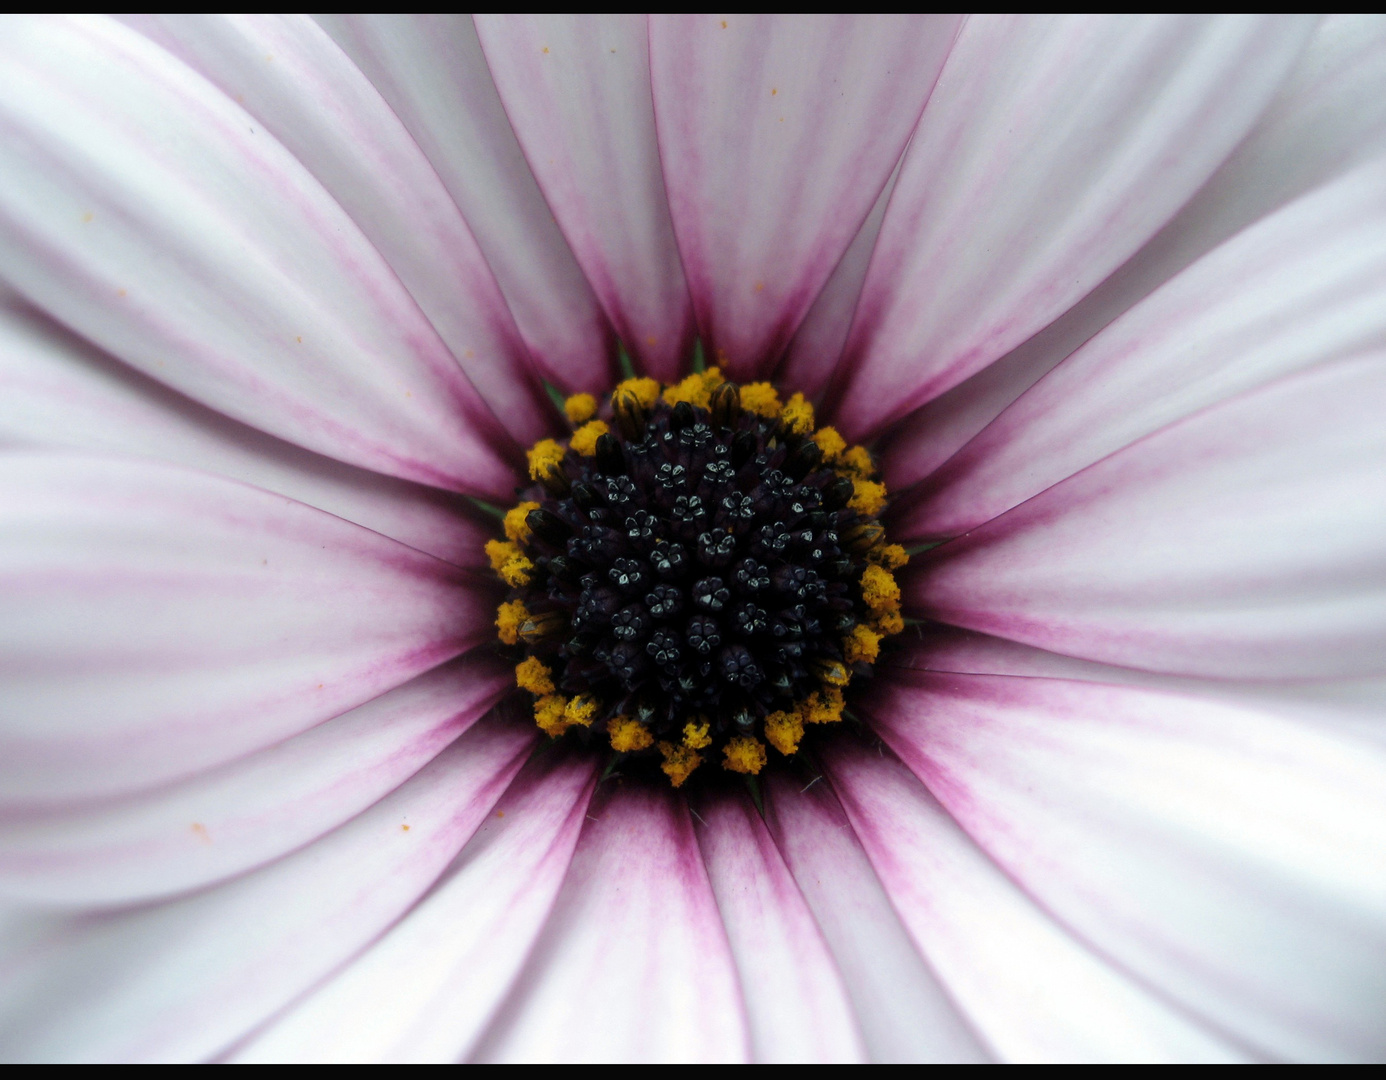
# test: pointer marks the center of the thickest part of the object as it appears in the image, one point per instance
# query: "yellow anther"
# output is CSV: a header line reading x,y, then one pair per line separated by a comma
x,y
833,672
761,398
693,389
544,456
584,439
645,391
744,755
695,735
797,416
889,622
500,552
628,735
868,497
580,711
533,675
679,762
510,616
712,378
822,706
879,590
548,714
862,643
891,556
516,527
830,442
783,730
580,407
858,460
516,571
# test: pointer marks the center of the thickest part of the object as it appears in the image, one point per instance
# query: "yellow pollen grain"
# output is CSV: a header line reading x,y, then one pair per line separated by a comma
x,y
879,590
830,442
761,399
516,571
744,755
834,673
516,527
868,497
797,416
891,556
862,643
585,438
534,675
628,735
822,706
645,391
500,552
858,460
679,762
581,711
544,456
510,616
712,377
888,623
580,407
548,714
783,731
693,389
695,735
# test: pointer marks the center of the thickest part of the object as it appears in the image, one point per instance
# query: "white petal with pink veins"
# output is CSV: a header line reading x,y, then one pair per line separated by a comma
x,y
577,91
246,813
777,132
796,1005
153,215
58,392
431,70
904,1014
1247,541
186,980
633,965
1302,287
292,77
1051,150
155,621
1036,993
1230,859
426,990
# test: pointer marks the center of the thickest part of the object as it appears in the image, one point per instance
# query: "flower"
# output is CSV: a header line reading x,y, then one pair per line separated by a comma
x,y
1104,296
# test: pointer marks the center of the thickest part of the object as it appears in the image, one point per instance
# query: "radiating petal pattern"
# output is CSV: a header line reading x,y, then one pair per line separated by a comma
x,y
777,132
904,1014
1110,124
1246,541
633,964
58,392
1302,287
1230,859
431,70
249,812
292,77
577,91
427,989
186,980
157,218
1036,992
156,621
796,1006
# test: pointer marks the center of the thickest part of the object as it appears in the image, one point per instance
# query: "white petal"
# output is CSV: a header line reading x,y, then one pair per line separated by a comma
x,y
633,965
156,621
431,70
577,91
425,991
1051,150
58,392
905,1015
248,812
154,216
1231,860
796,1005
186,980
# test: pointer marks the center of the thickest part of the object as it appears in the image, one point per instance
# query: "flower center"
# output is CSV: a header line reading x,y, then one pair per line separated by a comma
x,y
695,575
